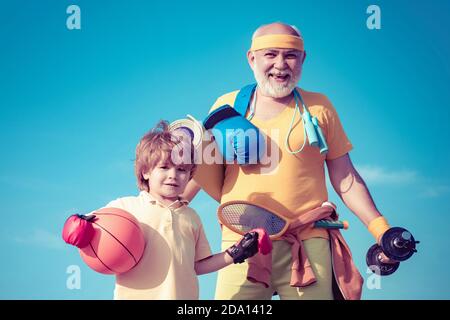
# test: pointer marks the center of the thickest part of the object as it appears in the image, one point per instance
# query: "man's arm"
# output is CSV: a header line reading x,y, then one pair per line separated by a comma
x,y
192,188
352,189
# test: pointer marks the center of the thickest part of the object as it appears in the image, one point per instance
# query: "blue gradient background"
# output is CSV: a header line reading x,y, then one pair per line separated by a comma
x,y
73,105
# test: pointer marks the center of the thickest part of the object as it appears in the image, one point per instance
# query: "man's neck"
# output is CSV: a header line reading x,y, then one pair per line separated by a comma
x,y
268,107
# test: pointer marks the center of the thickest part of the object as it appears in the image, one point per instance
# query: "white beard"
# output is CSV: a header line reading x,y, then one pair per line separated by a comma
x,y
275,90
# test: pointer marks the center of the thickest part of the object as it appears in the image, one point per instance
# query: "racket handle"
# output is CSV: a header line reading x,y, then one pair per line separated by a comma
x,y
329,224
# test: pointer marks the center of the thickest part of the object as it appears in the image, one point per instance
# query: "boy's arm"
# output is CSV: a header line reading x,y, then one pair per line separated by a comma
x,y
78,229
213,263
251,243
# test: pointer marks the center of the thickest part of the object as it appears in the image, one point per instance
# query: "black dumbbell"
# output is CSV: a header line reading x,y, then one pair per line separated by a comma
x,y
397,244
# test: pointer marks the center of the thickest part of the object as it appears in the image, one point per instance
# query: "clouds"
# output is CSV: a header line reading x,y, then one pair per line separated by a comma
x,y
435,191
377,175
120,166
41,238
20,181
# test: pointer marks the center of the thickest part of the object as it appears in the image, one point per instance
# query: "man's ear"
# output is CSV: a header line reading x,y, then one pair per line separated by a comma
x,y
146,175
304,56
251,58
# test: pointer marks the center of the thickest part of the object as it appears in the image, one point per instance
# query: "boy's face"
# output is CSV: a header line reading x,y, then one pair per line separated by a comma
x,y
167,180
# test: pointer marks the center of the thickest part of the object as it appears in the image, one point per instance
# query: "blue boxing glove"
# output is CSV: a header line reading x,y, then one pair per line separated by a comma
x,y
237,138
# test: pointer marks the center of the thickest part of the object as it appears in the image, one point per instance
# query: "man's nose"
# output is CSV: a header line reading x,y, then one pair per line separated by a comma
x,y
280,62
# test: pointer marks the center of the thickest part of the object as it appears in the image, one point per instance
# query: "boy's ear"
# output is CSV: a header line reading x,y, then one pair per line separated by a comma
x,y
146,175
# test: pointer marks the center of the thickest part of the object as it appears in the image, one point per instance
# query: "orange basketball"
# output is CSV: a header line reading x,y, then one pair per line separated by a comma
x,y
118,242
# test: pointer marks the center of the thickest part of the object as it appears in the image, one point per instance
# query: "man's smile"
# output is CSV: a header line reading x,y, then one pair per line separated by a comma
x,y
279,77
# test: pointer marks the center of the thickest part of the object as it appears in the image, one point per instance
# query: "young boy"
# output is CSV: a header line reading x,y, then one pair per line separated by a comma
x,y
176,246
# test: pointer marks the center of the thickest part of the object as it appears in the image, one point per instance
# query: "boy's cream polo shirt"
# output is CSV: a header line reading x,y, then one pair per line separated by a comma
x,y
175,239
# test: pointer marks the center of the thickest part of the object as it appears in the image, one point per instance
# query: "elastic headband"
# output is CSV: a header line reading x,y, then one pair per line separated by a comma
x,y
284,41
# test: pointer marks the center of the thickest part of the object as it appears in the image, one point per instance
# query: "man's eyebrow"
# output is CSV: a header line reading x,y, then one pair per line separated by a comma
x,y
271,50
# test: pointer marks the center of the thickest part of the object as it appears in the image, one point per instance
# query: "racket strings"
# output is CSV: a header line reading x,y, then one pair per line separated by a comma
x,y
245,217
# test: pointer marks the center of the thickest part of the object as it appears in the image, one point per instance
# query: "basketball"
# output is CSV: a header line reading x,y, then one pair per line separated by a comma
x,y
117,244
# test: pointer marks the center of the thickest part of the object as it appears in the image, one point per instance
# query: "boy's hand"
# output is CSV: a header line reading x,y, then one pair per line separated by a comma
x,y
252,242
245,248
78,230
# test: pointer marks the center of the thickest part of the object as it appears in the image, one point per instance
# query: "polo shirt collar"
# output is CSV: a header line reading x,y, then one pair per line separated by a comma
x,y
174,205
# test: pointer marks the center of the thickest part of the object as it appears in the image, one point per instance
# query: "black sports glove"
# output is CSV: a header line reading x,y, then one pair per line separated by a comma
x,y
246,247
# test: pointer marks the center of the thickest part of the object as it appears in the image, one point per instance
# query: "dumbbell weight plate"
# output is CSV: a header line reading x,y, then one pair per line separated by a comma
x,y
394,252
378,267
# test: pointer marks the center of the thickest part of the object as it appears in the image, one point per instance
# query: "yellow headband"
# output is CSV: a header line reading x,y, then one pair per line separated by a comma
x,y
284,41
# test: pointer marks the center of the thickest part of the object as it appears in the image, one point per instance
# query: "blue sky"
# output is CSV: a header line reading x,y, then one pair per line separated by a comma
x,y
74,103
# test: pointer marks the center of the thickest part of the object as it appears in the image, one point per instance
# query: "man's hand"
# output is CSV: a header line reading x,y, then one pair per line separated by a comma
x,y
384,259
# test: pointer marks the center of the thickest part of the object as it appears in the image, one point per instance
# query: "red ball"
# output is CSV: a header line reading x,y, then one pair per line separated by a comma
x,y
118,242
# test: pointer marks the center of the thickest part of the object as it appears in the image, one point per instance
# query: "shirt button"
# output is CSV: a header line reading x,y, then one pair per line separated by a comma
x,y
168,224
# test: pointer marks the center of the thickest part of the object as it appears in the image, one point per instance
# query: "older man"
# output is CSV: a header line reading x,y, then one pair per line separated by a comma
x,y
295,186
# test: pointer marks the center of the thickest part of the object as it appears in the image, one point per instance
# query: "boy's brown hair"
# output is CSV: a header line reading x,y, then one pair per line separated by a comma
x,y
156,145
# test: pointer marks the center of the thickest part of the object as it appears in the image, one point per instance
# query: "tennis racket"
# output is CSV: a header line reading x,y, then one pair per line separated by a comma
x,y
243,216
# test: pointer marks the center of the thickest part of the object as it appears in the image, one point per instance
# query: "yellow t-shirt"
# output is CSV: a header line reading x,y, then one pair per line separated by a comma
x,y
291,184
175,240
